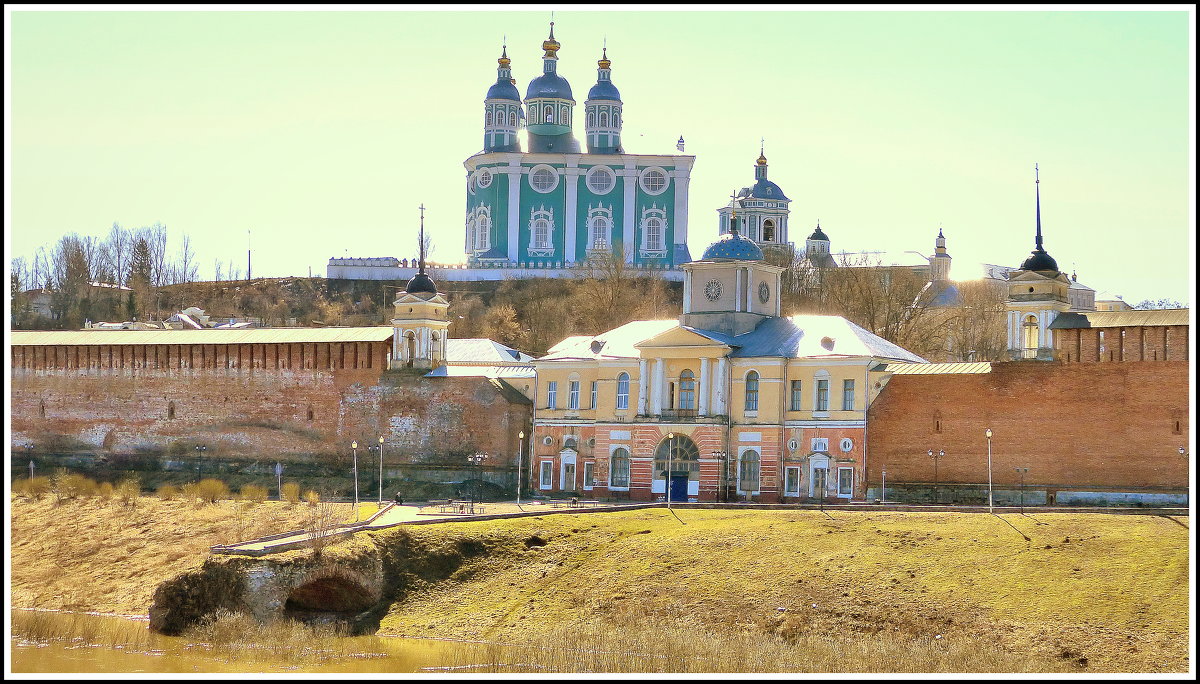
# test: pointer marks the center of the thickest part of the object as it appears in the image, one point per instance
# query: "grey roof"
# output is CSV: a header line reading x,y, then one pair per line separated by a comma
x,y
821,259
1118,319
504,372
616,343
482,351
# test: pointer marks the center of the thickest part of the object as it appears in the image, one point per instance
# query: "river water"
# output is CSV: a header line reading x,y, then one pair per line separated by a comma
x,y
109,644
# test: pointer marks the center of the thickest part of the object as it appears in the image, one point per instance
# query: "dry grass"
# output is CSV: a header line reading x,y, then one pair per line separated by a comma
x,y
1101,592
87,555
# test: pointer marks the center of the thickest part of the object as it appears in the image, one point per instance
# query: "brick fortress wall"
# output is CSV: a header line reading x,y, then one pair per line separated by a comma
x,y
251,402
1107,426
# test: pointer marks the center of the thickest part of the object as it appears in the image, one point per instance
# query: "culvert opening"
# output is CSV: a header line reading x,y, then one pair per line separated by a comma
x,y
328,600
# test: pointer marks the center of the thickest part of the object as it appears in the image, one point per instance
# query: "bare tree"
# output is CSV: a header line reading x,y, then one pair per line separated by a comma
x,y
117,247
186,269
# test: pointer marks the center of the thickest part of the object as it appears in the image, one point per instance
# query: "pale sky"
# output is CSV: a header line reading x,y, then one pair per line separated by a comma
x,y
322,131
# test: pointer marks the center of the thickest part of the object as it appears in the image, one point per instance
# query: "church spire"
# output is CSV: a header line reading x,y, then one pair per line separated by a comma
x,y
1038,194
421,242
1038,260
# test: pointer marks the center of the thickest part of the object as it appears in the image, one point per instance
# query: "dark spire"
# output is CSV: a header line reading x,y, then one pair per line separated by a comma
x,y
1039,260
421,241
1038,193
421,283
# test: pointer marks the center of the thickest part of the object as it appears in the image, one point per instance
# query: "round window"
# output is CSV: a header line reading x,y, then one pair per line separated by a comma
x,y
485,178
547,440
847,444
654,181
543,179
600,180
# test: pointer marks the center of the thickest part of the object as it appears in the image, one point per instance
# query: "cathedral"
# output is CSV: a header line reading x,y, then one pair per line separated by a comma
x,y
544,201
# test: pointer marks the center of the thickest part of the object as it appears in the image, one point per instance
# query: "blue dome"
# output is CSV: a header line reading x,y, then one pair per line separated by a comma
x,y
549,85
604,90
733,246
504,90
1039,260
765,189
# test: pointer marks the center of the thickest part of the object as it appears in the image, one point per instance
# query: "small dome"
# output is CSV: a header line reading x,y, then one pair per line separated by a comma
x,y
733,246
762,159
818,234
504,90
765,189
421,283
549,85
1040,260
604,90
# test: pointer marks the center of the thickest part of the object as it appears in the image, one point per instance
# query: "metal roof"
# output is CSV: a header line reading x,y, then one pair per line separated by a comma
x,y
211,336
478,350
937,368
506,372
1120,319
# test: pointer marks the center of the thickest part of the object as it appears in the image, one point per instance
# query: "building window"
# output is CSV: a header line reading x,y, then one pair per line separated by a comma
x,y
589,475
618,469
512,119
548,113
845,482
654,181
595,385
687,390
487,117
847,395
591,118
768,231
485,178
820,444
599,225
822,396
752,391
543,178
654,230
791,481
748,468
551,394
604,119
600,179
573,395
796,396
547,474
541,232
622,391
1030,330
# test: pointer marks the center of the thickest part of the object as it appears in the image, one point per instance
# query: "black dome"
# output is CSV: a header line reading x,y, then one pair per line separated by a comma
x,y
421,283
818,234
1040,260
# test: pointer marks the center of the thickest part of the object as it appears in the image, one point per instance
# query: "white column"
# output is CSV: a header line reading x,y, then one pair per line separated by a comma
x,y
657,391
1042,328
737,294
718,385
687,288
571,174
514,210
702,408
642,383
681,211
629,177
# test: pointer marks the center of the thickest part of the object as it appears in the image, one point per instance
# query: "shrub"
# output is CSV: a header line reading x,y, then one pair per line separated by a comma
x,y
167,492
33,487
254,493
67,485
191,491
105,491
291,492
210,490
312,497
128,491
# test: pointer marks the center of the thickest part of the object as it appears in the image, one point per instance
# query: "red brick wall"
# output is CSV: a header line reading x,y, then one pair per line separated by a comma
x,y
265,411
1139,343
1115,425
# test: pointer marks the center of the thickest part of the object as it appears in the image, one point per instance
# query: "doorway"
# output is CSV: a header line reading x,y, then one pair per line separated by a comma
x,y
679,486
818,481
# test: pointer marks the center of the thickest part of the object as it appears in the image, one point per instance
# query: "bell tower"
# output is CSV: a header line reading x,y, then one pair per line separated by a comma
x,y
420,322
1037,293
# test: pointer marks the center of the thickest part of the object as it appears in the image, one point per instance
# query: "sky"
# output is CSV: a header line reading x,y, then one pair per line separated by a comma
x,y
321,132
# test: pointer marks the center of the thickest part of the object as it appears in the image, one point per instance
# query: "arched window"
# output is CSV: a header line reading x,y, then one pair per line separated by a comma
x,y
562,115
512,119
748,469
654,233
768,231
548,112
752,391
487,117
1030,333
541,233
604,119
684,455
687,391
591,119
618,468
483,236
599,232
472,236
622,391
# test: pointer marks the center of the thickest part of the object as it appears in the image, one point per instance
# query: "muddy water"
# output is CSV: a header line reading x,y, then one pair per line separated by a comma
x,y
106,644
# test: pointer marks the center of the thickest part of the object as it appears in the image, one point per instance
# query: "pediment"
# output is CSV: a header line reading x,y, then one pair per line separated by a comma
x,y
409,299
679,337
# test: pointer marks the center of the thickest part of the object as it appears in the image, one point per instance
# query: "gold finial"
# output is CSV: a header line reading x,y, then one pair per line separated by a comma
x,y
504,61
762,157
550,45
604,62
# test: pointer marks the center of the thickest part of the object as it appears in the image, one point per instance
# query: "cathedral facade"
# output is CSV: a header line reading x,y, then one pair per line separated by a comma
x,y
543,201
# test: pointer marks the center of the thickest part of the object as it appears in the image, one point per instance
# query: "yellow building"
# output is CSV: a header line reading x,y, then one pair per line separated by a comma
x,y
730,402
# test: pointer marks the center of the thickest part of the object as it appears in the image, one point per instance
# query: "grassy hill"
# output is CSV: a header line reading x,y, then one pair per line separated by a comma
x,y
843,591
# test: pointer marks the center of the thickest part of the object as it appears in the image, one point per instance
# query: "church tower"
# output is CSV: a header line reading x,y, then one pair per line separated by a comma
x,y
421,323
549,105
603,112
730,289
501,110
762,210
1037,293
939,263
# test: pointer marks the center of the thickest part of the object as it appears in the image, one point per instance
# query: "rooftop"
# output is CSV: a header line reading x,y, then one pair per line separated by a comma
x,y
1119,319
207,336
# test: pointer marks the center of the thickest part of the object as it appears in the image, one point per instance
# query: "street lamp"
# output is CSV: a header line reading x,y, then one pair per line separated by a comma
x,y
723,493
354,448
381,471
882,493
1182,452
477,459
988,434
667,472
1022,471
31,465
520,451
200,461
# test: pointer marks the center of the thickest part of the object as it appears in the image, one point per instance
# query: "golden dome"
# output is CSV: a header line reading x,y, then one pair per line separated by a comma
x,y
550,45
762,159
504,61
604,62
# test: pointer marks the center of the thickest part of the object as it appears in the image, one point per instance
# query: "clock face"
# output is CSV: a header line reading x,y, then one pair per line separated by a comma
x,y
712,290
764,292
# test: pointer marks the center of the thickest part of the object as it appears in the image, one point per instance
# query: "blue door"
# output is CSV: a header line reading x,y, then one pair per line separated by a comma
x,y
679,487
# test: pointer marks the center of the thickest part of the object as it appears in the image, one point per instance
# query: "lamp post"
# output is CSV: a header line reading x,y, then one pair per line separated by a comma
x,y
477,459
200,461
520,451
1022,471
381,471
31,466
1182,452
988,434
279,480
882,493
719,457
354,448
667,472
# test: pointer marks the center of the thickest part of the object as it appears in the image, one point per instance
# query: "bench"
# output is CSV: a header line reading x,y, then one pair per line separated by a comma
x,y
589,502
